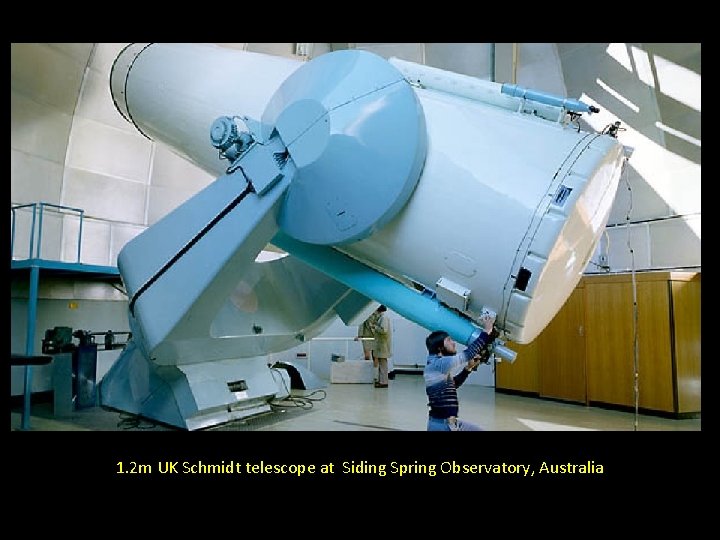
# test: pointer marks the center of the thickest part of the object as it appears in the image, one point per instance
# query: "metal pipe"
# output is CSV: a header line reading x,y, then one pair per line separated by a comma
x,y
425,311
466,86
61,207
82,214
40,224
493,76
42,206
12,233
32,232
482,90
30,342
575,105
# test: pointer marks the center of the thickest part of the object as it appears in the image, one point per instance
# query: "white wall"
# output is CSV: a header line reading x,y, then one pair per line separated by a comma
x,y
654,90
473,59
45,81
115,173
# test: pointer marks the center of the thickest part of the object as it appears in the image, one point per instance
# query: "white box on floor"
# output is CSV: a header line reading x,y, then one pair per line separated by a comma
x,y
352,371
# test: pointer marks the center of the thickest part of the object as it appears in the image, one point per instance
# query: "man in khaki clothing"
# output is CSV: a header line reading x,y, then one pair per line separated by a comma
x,y
382,332
365,330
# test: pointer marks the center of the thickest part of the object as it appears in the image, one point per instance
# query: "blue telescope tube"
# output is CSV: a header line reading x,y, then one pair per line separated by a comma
x,y
423,310
541,97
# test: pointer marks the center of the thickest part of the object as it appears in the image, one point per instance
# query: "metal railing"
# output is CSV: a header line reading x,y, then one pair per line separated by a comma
x,y
38,210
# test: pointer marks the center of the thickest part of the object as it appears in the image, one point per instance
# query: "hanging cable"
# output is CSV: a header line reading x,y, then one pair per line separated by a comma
x,y
636,371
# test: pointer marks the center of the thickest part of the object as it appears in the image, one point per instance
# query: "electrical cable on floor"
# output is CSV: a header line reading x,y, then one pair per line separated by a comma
x,y
133,421
303,402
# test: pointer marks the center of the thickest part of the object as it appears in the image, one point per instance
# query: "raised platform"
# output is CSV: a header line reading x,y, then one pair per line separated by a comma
x,y
65,268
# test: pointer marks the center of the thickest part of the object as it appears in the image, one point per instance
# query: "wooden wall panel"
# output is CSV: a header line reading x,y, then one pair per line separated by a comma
x,y
561,352
609,342
587,353
686,317
654,346
521,375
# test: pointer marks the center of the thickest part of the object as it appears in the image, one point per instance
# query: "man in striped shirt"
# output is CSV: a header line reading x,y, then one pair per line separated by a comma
x,y
440,384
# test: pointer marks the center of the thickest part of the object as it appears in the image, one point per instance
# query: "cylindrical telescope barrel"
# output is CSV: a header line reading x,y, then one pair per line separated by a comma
x,y
172,92
509,209
506,213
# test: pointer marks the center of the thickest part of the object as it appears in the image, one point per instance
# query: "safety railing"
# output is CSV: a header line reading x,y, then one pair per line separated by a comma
x,y
38,211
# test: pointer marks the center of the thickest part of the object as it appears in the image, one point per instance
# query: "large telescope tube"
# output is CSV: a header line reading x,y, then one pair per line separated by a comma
x,y
508,207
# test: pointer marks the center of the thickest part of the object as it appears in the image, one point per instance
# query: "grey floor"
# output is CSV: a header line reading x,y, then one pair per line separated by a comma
x,y
401,407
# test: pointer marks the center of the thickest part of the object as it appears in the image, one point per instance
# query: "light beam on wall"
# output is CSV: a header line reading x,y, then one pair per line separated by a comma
x,y
678,82
643,68
619,52
675,81
676,179
617,95
678,133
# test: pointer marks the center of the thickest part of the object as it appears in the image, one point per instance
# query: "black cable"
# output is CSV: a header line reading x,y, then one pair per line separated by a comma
x,y
324,395
302,402
291,401
134,421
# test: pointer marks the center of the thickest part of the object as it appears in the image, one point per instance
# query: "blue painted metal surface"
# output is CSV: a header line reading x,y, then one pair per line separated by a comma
x,y
356,132
201,248
79,268
575,105
30,343
414,306
32,232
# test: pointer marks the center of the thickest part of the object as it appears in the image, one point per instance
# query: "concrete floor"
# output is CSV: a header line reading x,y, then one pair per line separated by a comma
x,y
361,407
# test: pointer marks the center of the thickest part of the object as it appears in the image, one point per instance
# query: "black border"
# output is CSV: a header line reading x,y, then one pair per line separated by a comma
x,y
67,468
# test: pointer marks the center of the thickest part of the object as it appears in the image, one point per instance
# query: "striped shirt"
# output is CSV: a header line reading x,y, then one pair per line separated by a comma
x,y
440,386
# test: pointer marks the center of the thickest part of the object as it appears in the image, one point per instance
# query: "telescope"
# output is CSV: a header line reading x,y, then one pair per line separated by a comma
x,y
343,182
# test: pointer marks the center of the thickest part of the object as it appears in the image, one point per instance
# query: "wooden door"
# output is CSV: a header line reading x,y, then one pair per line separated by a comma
x,y
609,340
561,352
521,375
613,325
686,320
655,359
